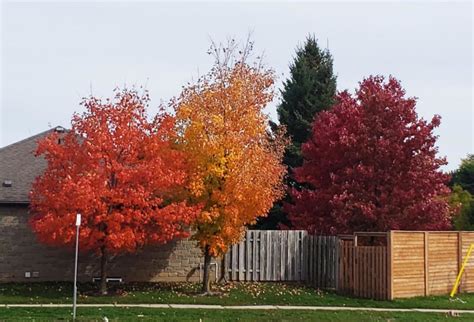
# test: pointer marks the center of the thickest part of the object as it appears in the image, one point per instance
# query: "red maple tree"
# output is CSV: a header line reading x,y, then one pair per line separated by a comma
x,y
121,171
371,165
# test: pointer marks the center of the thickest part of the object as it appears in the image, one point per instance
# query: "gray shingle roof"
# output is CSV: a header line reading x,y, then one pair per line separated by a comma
x,y
19,164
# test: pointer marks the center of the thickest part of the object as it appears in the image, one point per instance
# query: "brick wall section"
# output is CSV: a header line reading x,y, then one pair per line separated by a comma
x,y
20,252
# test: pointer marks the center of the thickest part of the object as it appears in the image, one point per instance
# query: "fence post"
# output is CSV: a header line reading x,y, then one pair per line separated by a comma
x,y
337,262
459,257
390,263
427,265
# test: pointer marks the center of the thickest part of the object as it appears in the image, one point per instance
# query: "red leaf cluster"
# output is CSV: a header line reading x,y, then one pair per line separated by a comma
x,y
122,172
371,165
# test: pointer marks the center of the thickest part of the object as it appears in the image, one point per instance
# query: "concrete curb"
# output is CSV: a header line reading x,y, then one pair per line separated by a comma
x,y
242,307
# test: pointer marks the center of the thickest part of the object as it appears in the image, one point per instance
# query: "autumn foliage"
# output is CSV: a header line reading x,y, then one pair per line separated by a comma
x,y
236,169
371,165
121,171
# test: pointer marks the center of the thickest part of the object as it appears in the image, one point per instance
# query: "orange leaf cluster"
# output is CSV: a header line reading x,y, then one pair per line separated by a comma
x,y
236,169
122,172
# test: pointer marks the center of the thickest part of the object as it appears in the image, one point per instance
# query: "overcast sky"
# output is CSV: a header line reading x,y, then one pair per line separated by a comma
x,y
54,53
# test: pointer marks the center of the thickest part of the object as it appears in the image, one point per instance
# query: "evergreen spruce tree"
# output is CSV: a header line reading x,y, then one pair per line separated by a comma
x,y
309,90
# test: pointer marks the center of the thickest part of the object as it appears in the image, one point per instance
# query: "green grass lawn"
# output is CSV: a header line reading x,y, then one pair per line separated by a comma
x,y
139,314
231,294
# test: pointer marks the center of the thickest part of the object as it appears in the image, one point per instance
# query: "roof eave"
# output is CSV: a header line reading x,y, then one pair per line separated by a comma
x,y
16,202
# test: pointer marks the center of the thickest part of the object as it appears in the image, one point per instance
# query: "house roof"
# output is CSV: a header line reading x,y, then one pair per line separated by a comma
x,y
19,165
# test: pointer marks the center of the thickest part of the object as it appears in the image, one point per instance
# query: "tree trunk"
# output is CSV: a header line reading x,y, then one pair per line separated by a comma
x,y
223,269
103,271
207,265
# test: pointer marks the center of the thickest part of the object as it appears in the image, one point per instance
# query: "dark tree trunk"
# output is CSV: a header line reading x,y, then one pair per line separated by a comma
x,y
206,287
103,271
223,270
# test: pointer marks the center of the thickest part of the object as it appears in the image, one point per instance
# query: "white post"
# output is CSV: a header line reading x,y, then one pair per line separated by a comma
x,y
78,224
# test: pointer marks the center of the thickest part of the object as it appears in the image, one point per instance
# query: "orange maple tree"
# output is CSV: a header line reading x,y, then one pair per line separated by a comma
x,y
119,170
236,170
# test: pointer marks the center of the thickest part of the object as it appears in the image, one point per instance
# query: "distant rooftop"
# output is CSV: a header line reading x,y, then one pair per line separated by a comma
x,y
19,167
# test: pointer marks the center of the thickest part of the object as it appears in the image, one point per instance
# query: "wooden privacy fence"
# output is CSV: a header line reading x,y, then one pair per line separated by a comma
x,y
267,255
283,255
405,264
413,263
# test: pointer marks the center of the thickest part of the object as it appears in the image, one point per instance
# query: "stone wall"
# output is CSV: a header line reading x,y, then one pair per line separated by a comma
x,y
20,252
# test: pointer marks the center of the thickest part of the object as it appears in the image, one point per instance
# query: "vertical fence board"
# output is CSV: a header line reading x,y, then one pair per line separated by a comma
x,y
369,272
289,258
255,255
321,261
337,260
371,268
241,260
297,256
262,265
306,257
233,263
270,258
283,242
311,259
360,270
330,268
315,261
325,261
248,258
227,269
459,259
277,253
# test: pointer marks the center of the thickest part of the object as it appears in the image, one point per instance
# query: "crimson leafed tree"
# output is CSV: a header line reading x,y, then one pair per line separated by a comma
x,y
122,172
371,165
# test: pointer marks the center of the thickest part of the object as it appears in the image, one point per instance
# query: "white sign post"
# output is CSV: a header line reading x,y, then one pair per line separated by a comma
x,y
78,224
